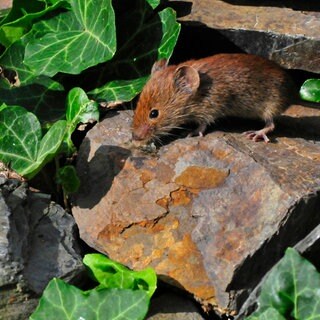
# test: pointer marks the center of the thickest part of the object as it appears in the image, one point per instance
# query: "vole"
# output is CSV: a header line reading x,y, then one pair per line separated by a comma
x,y
201,91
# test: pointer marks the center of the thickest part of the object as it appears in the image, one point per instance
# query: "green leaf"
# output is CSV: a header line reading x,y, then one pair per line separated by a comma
x,y
133,63
154,3
12,60
80,109
310,90
269,314
292,288
171,30
63,301
68,178
20,135
111,274
48,104
19,21
119,90
84,38
51,143
21,146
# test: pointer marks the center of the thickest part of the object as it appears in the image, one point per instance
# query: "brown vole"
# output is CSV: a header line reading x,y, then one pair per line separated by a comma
x,y
204,90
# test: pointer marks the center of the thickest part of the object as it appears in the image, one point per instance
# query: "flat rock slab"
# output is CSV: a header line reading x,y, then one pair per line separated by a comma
x,y
286,32
211,215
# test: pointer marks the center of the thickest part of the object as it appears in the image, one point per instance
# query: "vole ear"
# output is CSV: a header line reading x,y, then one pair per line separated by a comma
x,y
159,65
186,79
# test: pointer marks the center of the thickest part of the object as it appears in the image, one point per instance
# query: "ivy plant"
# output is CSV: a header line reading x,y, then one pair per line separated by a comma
x,y
24,146
106,48
120,294
59,58
290,291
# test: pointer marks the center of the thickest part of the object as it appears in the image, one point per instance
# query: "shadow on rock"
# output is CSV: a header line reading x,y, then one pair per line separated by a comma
x,y
100,170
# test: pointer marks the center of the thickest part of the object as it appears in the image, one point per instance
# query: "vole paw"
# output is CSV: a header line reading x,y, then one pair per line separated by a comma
x,y
257,135
199,132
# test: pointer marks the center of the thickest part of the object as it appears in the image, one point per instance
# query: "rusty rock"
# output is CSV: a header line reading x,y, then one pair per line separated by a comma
x,y
211,215
286,33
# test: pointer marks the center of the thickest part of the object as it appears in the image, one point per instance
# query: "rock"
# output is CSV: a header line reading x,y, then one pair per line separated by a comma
x,y
5,4
211,215
259,28
171,306
37,243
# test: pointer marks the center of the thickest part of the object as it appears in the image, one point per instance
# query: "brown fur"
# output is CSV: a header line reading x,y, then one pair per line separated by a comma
x,y
203,90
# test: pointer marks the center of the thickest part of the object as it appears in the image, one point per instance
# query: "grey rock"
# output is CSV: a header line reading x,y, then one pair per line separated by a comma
x,y
172,306
37,243
260,28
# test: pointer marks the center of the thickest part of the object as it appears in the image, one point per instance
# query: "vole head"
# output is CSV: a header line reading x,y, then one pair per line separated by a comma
x,y
164,101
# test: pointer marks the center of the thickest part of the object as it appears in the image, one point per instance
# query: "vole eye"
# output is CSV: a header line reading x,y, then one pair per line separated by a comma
x,y
154,113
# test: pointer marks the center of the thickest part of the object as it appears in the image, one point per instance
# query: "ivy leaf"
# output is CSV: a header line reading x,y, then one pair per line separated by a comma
x,y
21,144
19,20
269,314
310,90
111,274
48,103
12,61
119,90
85,37
20,135
154,3
292,288
50,143
63,301
170,30
68,178
135,62
80,109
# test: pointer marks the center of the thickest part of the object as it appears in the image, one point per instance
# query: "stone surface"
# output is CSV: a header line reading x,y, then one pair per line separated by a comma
x,y
211,215
171,306
5,4
260,28
37,243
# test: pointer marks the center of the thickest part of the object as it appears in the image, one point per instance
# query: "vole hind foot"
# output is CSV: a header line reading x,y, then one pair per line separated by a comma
x,y
261,134
257,135
199,131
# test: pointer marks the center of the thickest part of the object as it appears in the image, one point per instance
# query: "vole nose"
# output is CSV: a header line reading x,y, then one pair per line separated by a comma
x,y
141,132
136,137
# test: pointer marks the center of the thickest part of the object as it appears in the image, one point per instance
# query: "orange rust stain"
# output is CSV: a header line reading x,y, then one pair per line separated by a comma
x,y
145,223
157,228
157,254
220,154
163,202
146,176
185,266
111,231
137,251
201,178
180,197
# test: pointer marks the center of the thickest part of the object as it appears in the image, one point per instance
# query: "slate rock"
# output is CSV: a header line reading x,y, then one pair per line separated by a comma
x,y
172,306
260,27
37,242
210,214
